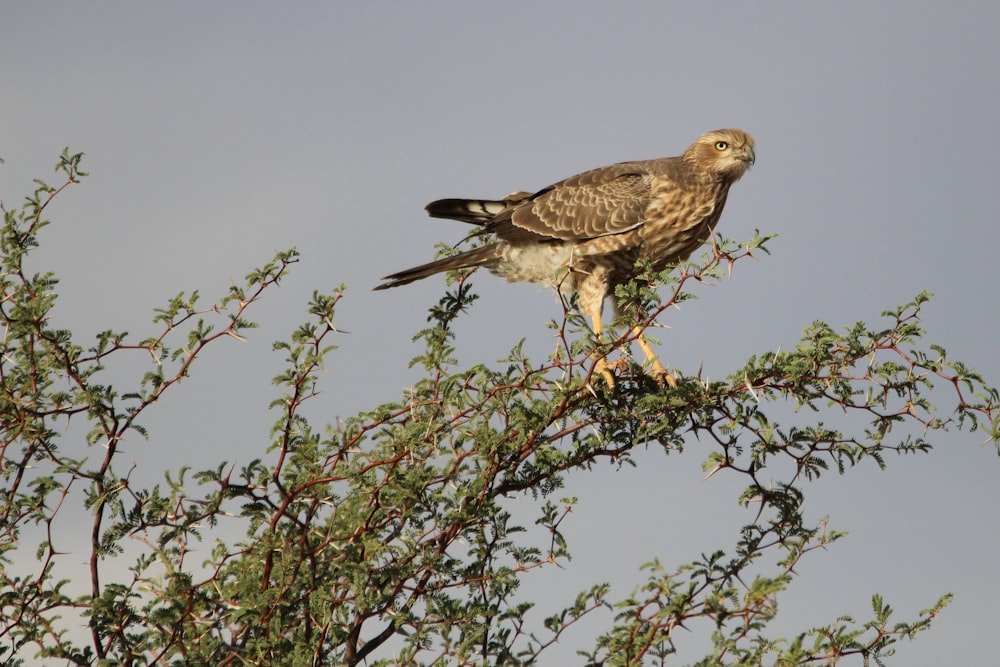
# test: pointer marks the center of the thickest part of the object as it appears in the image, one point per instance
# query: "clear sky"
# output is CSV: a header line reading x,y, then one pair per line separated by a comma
x,y
218,133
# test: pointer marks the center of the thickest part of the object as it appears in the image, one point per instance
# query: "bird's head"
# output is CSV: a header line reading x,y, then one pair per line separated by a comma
x,y
728,153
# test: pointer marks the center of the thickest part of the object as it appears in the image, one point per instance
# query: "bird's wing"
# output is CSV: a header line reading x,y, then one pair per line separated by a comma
x,y
599,202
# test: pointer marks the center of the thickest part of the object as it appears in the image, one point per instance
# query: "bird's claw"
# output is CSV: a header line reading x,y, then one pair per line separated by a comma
x,y
606,371
656,371
660,374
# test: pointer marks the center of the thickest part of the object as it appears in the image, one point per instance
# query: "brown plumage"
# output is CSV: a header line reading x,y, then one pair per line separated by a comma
x,y
586,233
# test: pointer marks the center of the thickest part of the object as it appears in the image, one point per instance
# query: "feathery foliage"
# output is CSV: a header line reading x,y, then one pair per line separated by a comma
x,y
389,537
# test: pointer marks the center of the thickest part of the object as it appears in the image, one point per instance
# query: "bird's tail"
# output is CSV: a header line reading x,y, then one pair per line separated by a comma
x,y
485,255
476,211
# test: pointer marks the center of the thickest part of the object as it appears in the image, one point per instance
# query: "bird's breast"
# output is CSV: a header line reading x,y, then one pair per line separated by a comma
x,y
678,220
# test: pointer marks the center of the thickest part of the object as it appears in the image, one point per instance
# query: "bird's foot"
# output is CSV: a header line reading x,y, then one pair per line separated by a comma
x,y
660,374
656,371
606,370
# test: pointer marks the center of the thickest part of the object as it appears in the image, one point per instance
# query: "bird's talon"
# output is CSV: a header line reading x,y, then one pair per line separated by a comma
x,y
660,374
618,364
605,370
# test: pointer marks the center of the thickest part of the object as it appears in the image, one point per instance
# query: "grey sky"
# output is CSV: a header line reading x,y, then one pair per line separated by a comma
x,y
217,133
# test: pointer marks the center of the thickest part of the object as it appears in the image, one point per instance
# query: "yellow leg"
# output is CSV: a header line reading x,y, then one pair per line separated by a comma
x,y
656,369
601,365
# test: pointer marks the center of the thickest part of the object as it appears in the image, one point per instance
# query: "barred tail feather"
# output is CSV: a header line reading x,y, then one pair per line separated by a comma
x,y
464,260
476,211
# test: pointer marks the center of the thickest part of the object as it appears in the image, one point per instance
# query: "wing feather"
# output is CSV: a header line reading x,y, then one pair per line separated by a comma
x,y
600,202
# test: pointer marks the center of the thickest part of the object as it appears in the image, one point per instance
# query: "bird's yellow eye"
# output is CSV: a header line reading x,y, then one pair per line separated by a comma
x,y
721,145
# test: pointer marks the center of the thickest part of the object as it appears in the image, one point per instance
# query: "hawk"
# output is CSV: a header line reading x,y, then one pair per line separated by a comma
x,y
585,234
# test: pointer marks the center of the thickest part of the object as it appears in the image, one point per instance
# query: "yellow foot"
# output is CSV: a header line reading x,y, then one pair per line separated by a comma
x,y
656,371
605,370
660,374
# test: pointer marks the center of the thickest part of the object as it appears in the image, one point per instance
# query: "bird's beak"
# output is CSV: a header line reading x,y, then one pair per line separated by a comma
x,y
748,154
